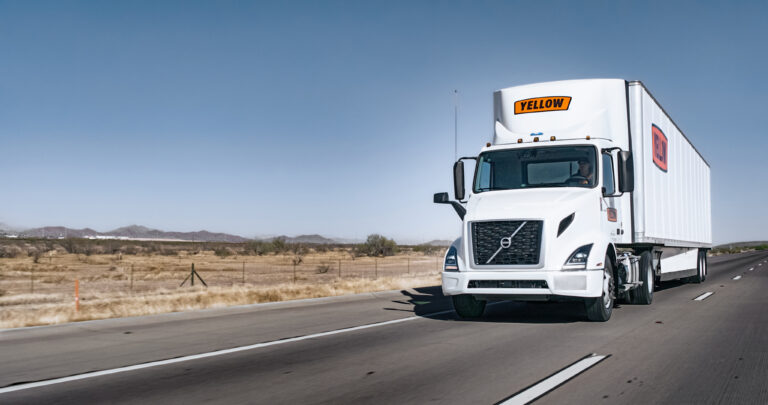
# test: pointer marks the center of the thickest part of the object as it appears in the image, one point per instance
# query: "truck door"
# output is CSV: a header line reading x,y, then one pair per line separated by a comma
x,y
611,204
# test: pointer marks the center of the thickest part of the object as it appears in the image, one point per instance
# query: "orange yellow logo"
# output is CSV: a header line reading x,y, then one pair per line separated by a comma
x,y
541,104
660,143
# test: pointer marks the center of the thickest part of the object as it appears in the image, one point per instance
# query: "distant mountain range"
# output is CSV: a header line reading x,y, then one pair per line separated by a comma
x,y
438,242
310,239
129,232
138,232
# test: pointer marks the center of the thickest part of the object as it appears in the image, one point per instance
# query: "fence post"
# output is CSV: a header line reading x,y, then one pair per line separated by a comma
x,y
294,273
375,267
243,271
31,281
77,295
409,265
339,268
131,278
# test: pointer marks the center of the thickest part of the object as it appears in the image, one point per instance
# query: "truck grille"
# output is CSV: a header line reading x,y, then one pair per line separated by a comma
x,y
523,248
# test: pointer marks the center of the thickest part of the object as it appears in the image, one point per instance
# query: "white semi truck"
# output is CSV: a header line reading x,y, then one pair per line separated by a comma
x,y
588,191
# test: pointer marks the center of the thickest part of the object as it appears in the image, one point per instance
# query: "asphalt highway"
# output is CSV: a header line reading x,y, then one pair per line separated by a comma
x,y
409,347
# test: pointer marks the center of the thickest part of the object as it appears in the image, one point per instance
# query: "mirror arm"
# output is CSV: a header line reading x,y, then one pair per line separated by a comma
x,y
442,198
460,210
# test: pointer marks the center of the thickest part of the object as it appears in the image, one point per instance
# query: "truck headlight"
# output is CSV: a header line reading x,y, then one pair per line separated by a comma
x,y
451,261
578,259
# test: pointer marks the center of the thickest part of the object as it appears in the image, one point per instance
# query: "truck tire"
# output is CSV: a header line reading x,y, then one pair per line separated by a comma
x,y
599,309
701,268
467,306
643,295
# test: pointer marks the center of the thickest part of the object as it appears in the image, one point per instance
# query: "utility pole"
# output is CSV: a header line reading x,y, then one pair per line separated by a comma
x,y
455,125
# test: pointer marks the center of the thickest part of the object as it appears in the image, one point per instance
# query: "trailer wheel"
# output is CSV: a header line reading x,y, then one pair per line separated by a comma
x,y
599,309
643,295
701,268
467,306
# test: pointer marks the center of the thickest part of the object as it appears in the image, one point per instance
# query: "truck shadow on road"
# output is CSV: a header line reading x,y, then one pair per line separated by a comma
x,y
429,300
425,301
534,312
666,285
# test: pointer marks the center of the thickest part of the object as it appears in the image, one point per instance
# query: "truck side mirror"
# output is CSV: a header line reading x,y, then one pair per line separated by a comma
x,y
458,180
441,198
626,172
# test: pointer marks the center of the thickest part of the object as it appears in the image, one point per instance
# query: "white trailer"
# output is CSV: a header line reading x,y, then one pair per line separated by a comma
x,y
588,191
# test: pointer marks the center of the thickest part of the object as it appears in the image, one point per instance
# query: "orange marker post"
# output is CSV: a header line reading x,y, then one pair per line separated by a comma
x,y
77,295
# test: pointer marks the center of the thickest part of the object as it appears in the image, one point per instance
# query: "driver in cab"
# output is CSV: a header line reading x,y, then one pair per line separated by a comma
x,y
584,175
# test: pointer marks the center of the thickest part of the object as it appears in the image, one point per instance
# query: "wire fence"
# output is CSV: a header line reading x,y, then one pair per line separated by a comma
x,y
110,274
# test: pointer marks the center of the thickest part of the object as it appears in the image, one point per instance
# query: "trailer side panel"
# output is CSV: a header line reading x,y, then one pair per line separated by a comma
x,y
672,180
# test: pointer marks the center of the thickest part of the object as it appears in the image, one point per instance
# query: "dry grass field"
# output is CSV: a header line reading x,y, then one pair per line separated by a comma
x,y
40,291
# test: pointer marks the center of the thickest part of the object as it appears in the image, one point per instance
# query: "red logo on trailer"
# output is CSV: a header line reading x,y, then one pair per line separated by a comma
x,y
659,147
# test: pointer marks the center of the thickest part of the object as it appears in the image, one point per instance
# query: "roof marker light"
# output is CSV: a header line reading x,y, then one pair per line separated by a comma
x,y
535,138
487,144
519,140
587,137
551,138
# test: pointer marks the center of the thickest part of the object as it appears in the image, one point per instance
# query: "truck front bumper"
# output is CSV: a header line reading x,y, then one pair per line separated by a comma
x,y
535,284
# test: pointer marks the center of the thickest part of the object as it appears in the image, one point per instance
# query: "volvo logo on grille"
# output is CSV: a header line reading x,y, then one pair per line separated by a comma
x,y
506,241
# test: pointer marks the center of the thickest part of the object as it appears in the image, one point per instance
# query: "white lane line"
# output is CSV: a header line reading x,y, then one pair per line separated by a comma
x,y
555,380
209,354
751,268
737,278
704,296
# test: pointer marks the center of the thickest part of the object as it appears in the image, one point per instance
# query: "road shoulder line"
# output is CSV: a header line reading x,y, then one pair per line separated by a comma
x,y
28,385
233,308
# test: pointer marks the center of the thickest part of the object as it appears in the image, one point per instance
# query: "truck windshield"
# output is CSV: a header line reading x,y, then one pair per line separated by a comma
x,y
552,166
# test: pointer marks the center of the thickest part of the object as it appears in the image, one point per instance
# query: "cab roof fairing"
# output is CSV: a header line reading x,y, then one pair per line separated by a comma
x,y
597,108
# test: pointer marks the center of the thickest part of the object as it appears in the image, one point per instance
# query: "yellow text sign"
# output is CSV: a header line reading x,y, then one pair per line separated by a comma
x,y
541,104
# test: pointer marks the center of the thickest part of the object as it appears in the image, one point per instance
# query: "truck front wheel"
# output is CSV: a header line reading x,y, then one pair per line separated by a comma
x,y
599,309
467,306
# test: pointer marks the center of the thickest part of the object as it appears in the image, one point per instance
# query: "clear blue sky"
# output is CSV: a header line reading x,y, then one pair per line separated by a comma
x,y
336,118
